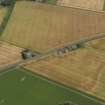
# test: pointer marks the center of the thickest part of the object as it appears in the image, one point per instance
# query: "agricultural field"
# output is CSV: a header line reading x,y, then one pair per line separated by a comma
x,y
2,13
81,69
31,22
96,5
21,87
9,54
76,77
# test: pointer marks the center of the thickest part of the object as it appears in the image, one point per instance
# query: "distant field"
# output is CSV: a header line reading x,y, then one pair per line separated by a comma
x,y
2,13
20,87
9,54
97,5
43,27
80,69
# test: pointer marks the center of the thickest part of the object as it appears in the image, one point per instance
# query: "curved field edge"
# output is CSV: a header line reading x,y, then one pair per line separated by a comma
x,y
6,17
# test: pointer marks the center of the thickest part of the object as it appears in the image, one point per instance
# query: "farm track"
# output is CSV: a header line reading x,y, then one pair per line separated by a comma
x,y
51,52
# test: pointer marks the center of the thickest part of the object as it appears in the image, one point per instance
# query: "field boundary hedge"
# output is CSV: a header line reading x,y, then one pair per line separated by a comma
x,y
7,17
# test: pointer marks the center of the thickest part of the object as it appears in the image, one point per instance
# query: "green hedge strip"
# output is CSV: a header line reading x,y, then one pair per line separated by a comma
x,y
6,17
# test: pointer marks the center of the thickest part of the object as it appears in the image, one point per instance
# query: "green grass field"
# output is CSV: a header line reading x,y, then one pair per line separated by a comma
x,y
20,87
51,1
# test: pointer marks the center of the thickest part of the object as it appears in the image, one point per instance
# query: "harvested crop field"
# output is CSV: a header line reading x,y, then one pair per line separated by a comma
x,y
96,5
43,27
9,54
80,69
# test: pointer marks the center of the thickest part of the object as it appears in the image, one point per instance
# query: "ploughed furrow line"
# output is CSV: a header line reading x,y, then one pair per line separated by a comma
x,y
9,54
